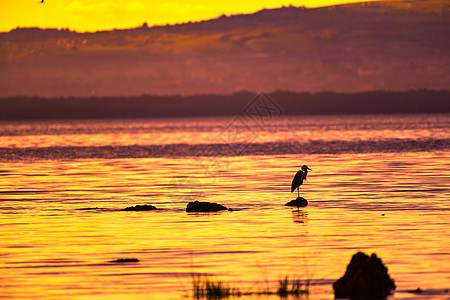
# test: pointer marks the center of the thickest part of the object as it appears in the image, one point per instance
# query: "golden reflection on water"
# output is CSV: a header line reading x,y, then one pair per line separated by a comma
x,y
183,137
393,204
208,130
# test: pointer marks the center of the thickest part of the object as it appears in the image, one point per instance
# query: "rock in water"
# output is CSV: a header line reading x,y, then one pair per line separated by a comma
x,y
204,207
365,277
124,260
140,208
299,202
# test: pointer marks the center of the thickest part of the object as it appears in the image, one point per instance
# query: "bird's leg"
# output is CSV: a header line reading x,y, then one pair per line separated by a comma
x,y
298,191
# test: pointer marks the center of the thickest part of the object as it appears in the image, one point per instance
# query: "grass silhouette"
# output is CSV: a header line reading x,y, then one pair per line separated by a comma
x,y
294,287
208,287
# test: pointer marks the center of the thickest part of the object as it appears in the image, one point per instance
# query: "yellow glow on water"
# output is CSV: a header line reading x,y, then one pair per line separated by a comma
x,y
83,15
172,131
52,249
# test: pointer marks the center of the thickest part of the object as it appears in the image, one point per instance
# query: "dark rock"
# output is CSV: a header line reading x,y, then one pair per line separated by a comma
x,y
124,260
144,207
365,277
416,291
430,292
299,202
197,206
89,208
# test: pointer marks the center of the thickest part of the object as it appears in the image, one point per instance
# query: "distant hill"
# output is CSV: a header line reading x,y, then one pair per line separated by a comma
x,y
398,45
237,104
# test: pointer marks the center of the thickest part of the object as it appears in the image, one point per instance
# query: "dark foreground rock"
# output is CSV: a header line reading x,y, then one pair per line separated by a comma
x,y
124,260
365,277
299,202
144,207
197,206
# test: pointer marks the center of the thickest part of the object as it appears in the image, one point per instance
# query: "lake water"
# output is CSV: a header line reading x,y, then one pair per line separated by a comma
x,y
379,184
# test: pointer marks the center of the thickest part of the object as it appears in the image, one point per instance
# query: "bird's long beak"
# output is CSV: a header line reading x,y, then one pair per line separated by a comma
x,y
309,168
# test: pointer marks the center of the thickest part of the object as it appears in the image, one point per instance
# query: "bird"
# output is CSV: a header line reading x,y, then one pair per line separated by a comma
x,y
42,1
298,179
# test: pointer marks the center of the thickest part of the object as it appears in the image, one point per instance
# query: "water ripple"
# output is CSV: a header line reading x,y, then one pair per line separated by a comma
x,y
220,150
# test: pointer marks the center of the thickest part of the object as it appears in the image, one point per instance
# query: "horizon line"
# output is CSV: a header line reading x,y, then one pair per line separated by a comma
x,y
159,25
232,93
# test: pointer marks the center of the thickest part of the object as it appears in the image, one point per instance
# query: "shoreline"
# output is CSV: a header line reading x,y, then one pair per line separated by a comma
x,y
273,104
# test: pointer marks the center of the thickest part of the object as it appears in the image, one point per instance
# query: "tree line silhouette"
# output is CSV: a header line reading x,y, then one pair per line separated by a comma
x,y
147,106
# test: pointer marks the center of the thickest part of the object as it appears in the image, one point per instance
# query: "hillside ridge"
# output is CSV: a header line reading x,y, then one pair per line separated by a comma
x,y
397,45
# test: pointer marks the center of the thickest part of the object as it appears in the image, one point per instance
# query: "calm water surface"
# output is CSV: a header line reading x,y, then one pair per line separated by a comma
x,y
392,200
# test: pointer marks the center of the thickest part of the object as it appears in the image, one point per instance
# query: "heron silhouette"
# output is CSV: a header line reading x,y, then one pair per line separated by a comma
x,y
298,179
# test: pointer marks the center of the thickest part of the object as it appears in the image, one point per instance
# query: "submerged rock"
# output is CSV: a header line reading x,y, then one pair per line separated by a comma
x,y
89,208
197,206
124,260
416,291
299,202
430,291
140,208
365,277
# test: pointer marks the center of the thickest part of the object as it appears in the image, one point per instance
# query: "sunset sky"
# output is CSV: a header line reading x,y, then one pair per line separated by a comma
x,y
92,15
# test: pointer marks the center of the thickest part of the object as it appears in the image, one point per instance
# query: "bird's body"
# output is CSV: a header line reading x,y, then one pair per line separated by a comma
x,y
298,180
299,177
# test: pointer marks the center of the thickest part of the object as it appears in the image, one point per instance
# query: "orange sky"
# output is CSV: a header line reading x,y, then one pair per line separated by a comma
x,y
92,15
